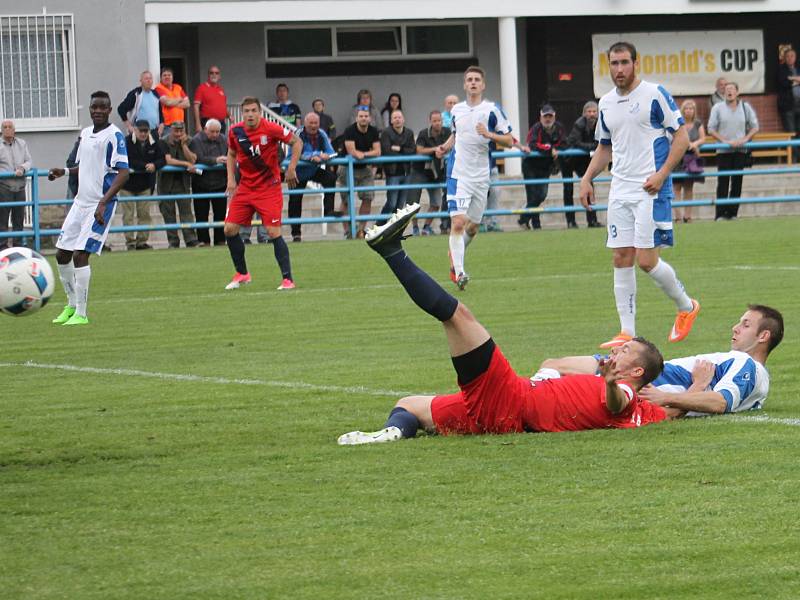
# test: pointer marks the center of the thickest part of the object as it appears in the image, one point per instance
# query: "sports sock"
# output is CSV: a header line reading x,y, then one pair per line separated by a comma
x,y
625,296
282,256
468,238
457,248
666,279
82,277
545,373
236,248
67,275
423,290
404,421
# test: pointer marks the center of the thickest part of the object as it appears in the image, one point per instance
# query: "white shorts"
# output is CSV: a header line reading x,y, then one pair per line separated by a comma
x,y
81,231
632,223
467,198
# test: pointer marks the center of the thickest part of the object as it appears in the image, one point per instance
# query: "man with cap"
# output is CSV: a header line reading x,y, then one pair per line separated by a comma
x,y
145,157
177,154
547,137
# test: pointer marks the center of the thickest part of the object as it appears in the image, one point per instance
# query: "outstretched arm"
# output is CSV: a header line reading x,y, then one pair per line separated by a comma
x,y
572,365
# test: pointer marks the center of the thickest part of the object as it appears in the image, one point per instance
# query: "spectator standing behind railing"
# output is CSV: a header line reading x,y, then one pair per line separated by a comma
x,y
394,102
581,137
283,106
361,140
210,101
14,158
546,137
692,163
326,123
432,172
364,98
173,99
719,93
177,153
142,102
789,95
145,157
211,149
447,118
397,140
317,150
733,122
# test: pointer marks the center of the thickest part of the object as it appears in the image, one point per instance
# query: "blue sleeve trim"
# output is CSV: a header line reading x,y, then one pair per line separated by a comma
x,y
728,400
668,98
605,142
121,165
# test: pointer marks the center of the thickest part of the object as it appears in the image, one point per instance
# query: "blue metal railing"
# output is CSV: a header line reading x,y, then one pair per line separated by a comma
x,y
352,218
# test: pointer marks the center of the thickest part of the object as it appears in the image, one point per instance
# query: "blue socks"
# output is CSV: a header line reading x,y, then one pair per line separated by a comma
x,y
282,256
404,421
423,290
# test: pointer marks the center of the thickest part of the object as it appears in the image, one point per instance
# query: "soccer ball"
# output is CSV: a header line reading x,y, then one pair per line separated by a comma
x,y
26,281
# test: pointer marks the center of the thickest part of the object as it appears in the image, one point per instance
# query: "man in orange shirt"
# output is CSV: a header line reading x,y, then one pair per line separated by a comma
x,y
174,101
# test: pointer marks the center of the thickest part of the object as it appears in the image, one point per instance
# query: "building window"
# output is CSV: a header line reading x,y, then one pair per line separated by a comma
x,y
37,72
384,41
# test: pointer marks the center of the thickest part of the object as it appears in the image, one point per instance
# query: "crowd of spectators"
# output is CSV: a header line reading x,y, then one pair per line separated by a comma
x,y
155,119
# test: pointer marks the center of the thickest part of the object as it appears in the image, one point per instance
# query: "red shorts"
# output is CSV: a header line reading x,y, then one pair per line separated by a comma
x,y
267,203
495,402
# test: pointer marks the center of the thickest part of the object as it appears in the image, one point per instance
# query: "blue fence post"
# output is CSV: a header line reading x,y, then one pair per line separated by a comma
x,y
351,203
37,238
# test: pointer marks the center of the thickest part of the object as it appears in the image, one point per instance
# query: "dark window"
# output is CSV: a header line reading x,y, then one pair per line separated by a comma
x,y
437,39
384,40
295,43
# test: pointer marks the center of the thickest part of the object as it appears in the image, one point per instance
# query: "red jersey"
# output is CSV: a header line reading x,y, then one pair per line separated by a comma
x,y
257,154
213,103
578,402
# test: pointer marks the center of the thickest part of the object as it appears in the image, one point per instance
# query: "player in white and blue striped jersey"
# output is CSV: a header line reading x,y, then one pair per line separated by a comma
x,y
720,382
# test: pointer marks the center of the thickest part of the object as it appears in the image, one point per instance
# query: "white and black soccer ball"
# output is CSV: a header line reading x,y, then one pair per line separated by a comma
x,y
26,281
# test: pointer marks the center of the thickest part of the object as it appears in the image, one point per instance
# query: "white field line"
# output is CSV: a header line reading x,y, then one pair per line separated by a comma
x,y
293,385
385,286
765,419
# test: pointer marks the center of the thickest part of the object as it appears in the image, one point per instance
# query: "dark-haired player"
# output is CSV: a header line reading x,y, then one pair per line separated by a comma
x,y
493,398
253,143
102,171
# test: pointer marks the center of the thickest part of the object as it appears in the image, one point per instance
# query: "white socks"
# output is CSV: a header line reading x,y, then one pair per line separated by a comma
x,y
67,275
82,277
457,247
625,296
468,238
665,278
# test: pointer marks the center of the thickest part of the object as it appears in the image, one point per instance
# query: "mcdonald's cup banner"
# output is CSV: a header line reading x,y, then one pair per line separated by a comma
x,y
688,63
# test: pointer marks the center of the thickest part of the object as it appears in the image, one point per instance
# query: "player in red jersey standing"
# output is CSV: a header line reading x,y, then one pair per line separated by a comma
x,y
493,398
253,143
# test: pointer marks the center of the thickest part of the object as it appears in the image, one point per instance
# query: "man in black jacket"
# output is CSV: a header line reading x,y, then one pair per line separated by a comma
x,y
547,137
789,95
145,157
582,138
211,149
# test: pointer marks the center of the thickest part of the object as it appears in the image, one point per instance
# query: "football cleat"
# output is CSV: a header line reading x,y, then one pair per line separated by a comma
x,y
356,438
462,280
238,281
385,239
287,284
617,340
683,323
76,319
65,315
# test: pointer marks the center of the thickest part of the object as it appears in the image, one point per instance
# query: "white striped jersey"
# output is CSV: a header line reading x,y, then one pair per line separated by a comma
x,y
99,156
742,381
470,159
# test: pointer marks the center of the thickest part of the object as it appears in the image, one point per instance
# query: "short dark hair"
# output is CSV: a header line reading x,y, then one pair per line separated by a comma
x,y
772,321
652,360
280,85
434,112
475,69
250,100
100,94
167,70
617,47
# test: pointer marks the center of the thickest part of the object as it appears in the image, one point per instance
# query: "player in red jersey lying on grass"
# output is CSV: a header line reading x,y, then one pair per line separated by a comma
x,y
493,398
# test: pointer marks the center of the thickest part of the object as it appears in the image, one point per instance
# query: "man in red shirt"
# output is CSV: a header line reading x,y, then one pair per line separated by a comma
x,y
210,101
493,398
253,143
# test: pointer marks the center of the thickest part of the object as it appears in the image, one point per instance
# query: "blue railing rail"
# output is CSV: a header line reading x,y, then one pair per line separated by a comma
x,y
352,218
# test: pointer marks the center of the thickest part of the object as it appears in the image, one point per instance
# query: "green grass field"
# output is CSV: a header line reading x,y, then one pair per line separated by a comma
x,y
183,445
